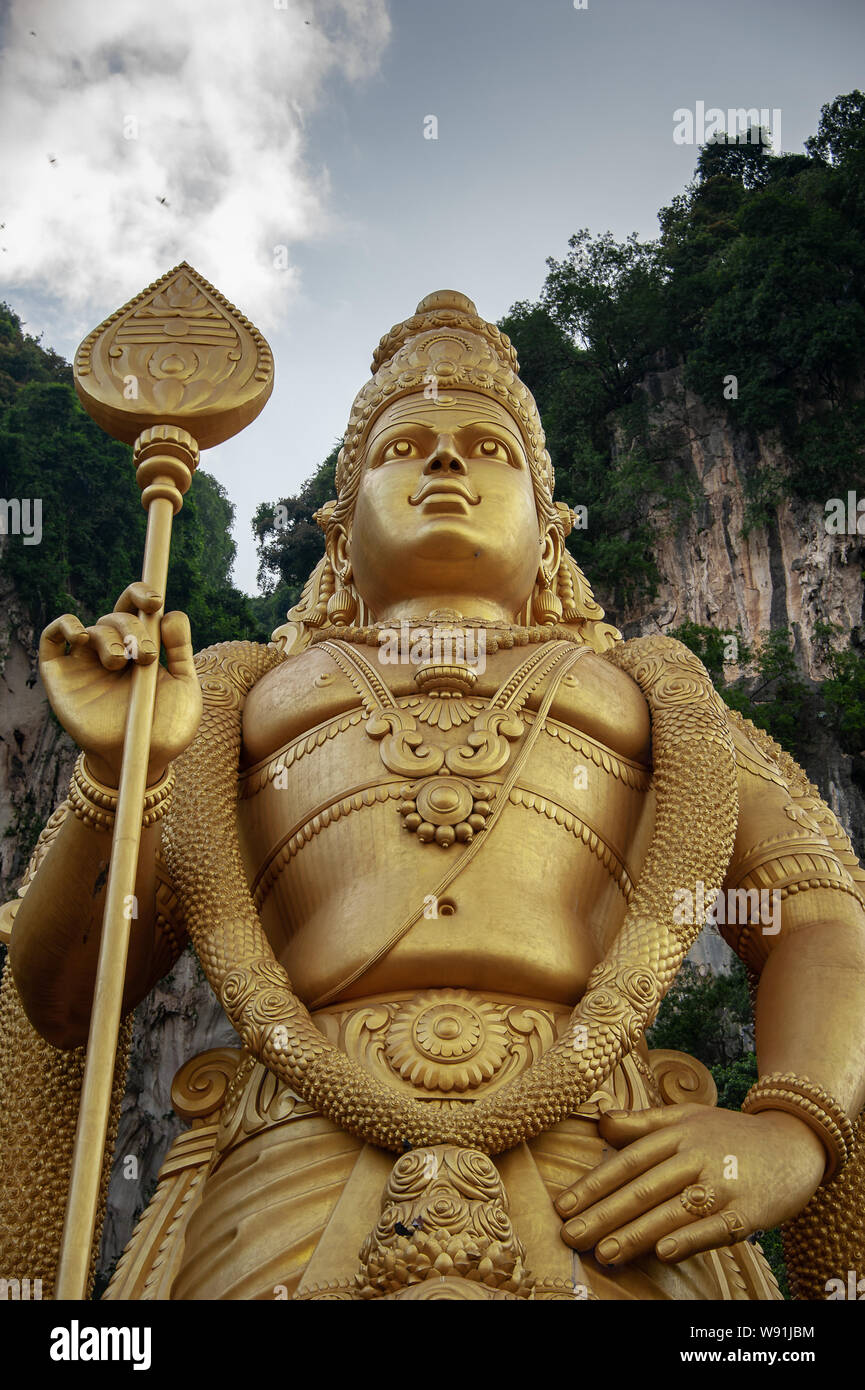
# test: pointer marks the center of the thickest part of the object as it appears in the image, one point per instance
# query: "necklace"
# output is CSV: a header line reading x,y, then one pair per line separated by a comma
x,y
443,624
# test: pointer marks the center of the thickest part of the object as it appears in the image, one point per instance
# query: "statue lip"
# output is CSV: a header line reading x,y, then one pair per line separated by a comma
x,y
448,490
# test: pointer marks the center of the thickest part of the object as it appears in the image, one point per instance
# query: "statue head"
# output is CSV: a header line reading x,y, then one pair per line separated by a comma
x,y
445,491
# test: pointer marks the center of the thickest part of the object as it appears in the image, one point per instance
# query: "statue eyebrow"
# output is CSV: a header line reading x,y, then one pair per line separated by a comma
x,y
467,424
405,425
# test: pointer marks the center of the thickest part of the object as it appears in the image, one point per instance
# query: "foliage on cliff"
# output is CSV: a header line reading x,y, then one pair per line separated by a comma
x,y
92,522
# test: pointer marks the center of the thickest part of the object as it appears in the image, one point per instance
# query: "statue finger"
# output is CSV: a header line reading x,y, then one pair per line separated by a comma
x,y
107,642
712,1232
636,1159
137,642
639,1237
622,1127
55,636
138,597
630,1203
177,641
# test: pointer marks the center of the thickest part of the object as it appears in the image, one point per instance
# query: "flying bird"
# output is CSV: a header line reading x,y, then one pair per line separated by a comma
x,y
52,159
163,201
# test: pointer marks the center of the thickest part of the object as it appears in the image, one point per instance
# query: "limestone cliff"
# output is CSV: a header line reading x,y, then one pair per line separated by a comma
x,y
791,573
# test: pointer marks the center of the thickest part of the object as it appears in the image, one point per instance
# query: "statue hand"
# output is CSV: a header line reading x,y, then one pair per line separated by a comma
x,y
751,1171
88,685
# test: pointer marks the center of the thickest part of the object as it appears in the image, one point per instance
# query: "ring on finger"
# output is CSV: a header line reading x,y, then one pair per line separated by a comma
x,y
700,1199
735,1225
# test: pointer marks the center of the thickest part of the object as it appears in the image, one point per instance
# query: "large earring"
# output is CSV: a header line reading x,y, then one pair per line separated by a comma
x,y
342,604
547,605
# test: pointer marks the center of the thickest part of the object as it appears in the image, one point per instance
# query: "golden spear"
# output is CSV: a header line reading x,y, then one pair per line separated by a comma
x,y
176,369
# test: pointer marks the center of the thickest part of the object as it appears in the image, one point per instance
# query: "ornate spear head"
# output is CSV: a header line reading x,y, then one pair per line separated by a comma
x,y
177,354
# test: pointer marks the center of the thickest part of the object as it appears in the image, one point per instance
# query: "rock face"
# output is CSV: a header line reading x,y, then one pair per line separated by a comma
x,y
791,573
36,755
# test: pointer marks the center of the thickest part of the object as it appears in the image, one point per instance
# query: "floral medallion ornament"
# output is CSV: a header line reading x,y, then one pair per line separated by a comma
x,y
446,809
447,1040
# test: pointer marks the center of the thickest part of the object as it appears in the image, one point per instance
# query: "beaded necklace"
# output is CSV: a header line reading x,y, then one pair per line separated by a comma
x,y
447,624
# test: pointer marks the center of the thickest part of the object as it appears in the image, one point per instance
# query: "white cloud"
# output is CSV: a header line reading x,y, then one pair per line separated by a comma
x,y
136,101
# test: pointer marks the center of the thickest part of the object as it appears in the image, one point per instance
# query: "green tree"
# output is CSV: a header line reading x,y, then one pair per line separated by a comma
x,y
606,459
290,542
734,1080
607,296
768,689
712,645
840,137
745,157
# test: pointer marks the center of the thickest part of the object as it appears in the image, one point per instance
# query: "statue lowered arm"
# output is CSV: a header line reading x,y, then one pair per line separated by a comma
x,y
796,917
806,948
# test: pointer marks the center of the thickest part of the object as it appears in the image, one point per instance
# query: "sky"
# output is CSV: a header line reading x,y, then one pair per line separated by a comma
x,y
327,163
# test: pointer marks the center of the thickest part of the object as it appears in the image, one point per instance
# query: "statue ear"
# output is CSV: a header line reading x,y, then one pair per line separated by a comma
x,y
338,552
546,604
551,554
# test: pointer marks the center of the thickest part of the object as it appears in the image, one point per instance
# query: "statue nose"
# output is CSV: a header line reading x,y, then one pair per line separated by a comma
x,y
446,459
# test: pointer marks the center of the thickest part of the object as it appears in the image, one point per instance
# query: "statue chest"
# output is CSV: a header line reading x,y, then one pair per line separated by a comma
x,y
511,834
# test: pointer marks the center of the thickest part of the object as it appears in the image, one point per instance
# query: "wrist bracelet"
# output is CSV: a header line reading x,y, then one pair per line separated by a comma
x,y
96,804
158,798
796,1095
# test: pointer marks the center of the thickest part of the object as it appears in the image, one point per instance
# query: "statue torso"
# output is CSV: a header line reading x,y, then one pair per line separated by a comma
x,y
336,866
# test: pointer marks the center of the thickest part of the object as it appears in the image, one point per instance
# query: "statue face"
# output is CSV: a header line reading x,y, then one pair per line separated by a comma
x,y
445,508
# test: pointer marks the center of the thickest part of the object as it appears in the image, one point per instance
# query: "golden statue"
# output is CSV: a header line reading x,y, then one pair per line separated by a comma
x,y
431,846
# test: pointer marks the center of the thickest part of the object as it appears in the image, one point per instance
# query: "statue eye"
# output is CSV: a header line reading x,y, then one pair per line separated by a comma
x,y
492,449
399,449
